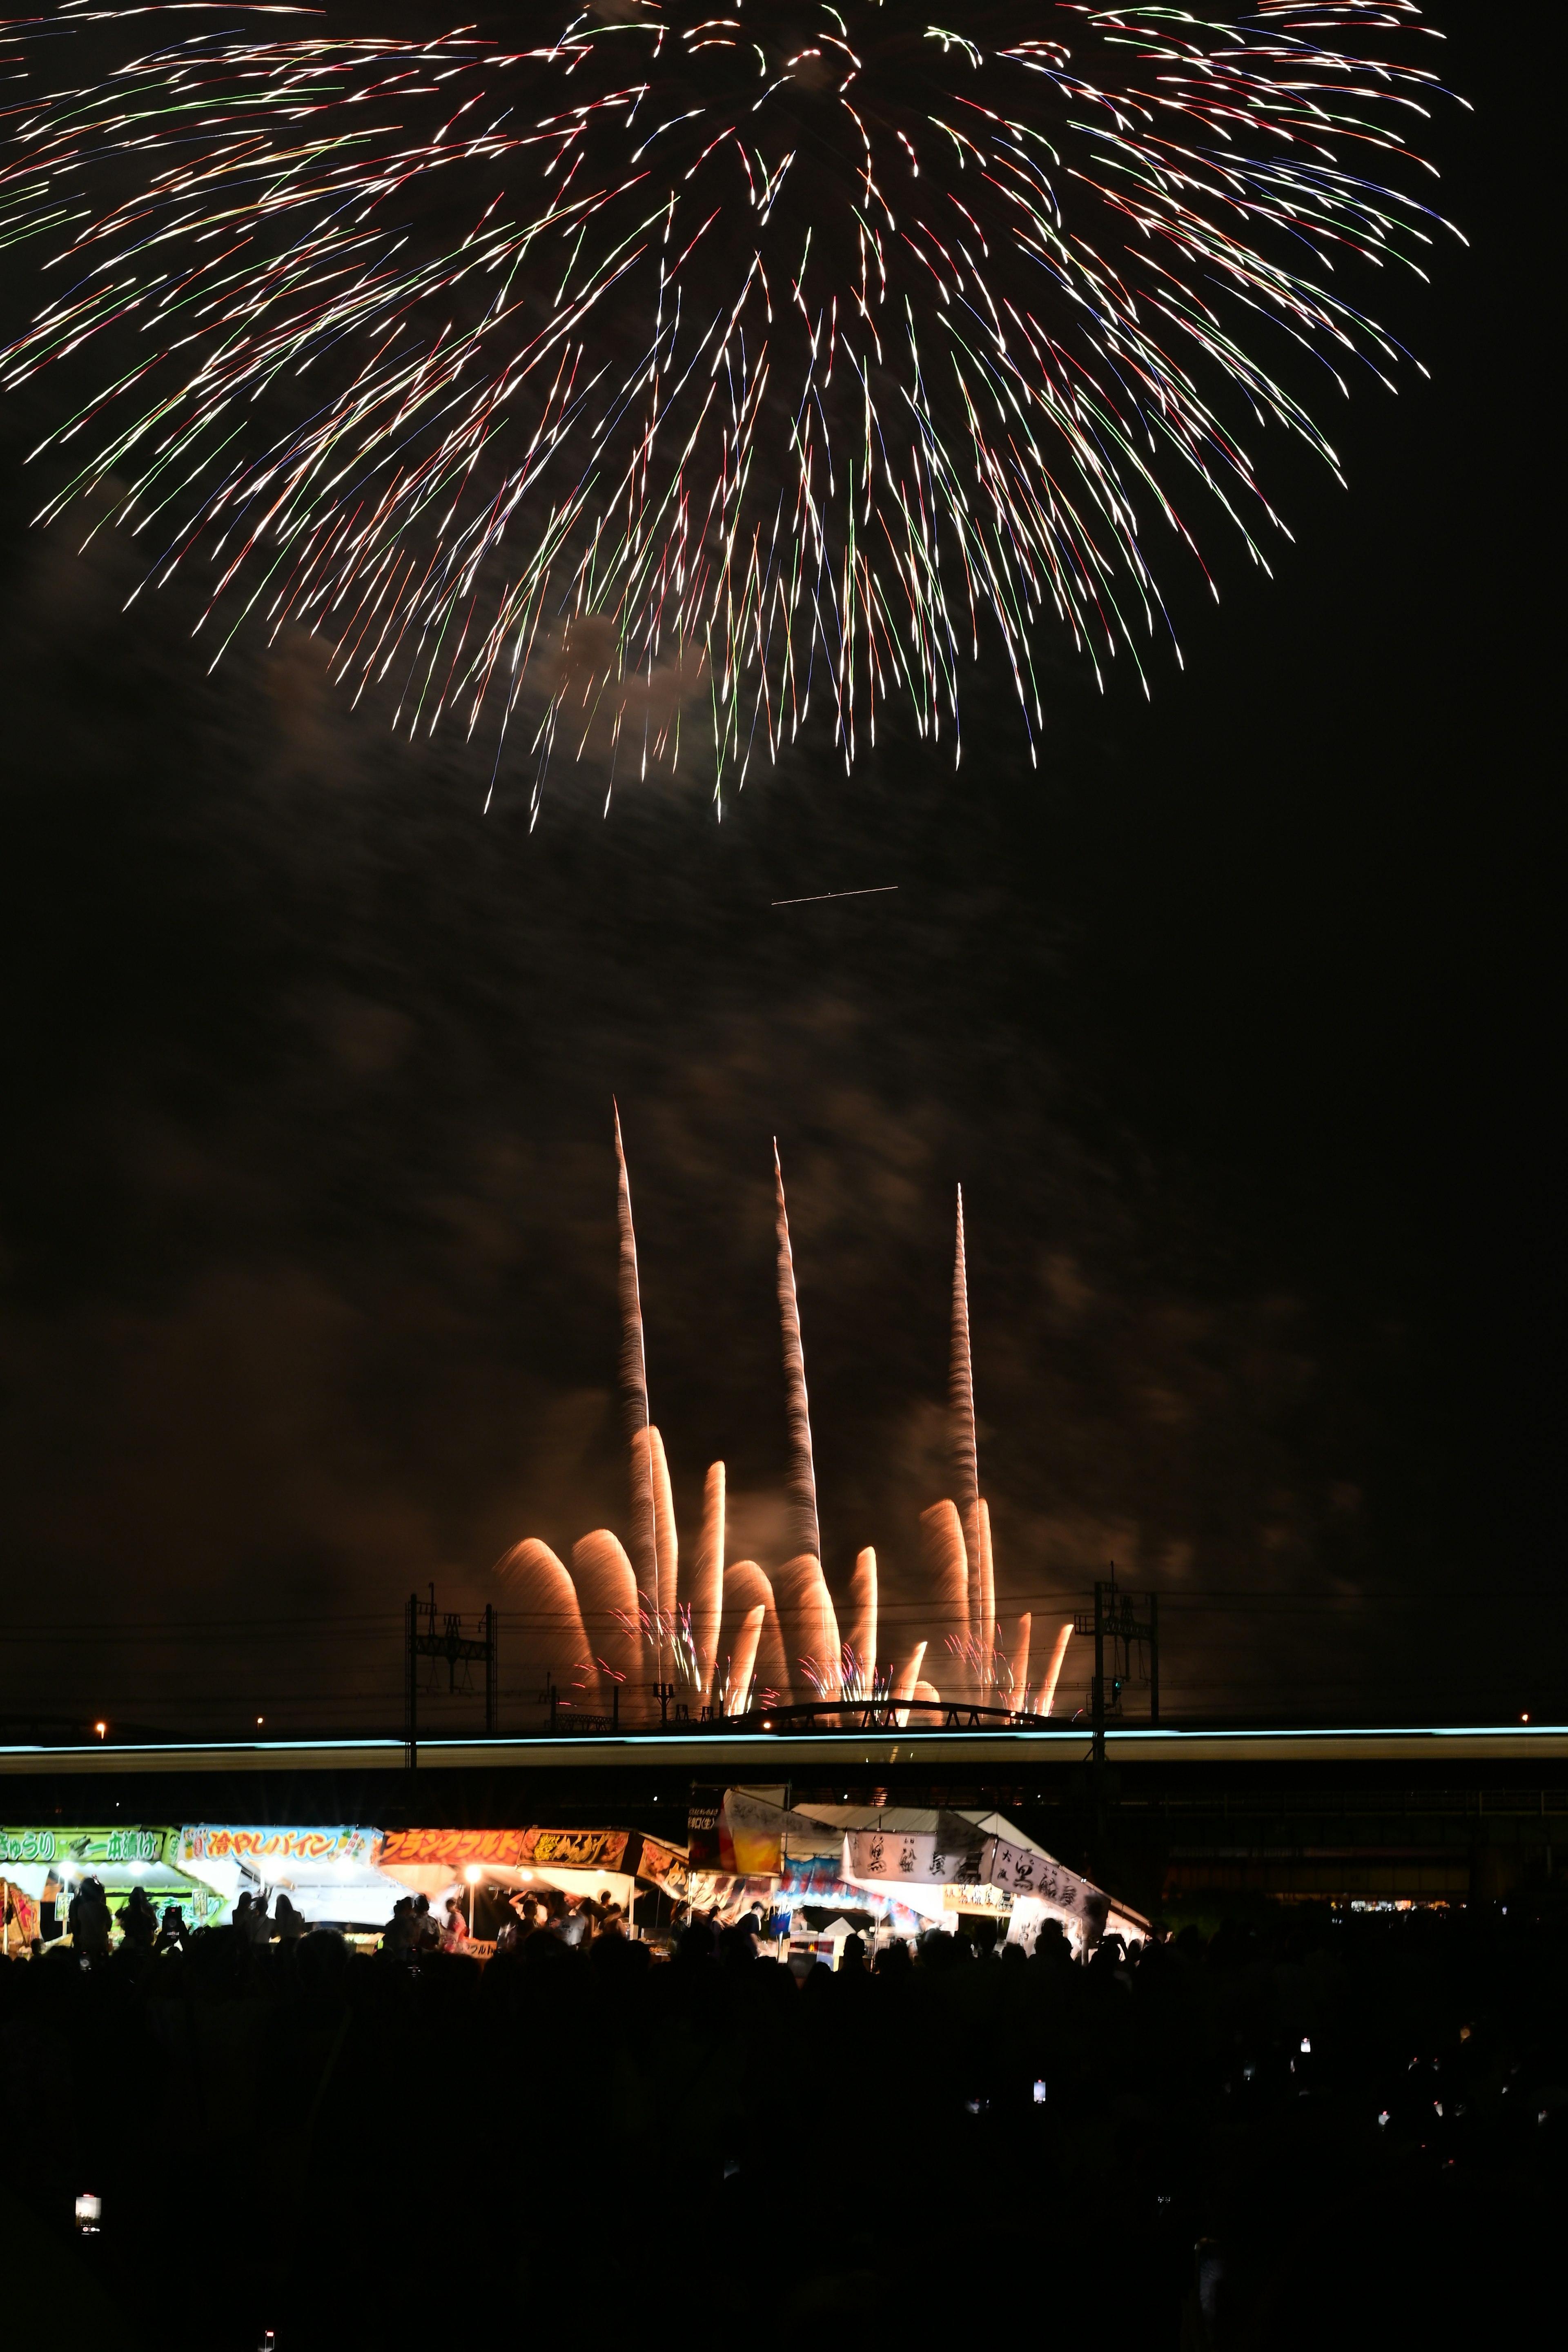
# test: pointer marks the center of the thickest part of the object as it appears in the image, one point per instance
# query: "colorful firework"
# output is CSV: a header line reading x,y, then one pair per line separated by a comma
x,y
735,361
729,1637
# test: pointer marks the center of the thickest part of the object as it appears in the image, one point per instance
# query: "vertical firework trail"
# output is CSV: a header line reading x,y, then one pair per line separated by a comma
x,y
804,1534
634,1388
966,1458
1053,1672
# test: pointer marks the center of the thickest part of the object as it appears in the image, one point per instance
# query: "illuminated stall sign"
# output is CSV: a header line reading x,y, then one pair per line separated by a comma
x,y
206,1842
702,1828
751,1836
450,1849
575,1849
89,1849
541,1849
660,1865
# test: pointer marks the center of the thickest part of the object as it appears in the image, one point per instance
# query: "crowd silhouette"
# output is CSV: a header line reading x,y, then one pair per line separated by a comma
x,y
1311,2126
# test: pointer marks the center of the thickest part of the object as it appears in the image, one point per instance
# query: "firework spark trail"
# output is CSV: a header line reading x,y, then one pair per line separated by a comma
x,y
966,1456
801,1471
1052,1675
634,1389
748,360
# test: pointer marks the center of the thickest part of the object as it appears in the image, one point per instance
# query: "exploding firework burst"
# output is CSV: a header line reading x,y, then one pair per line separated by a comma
x,y
735,361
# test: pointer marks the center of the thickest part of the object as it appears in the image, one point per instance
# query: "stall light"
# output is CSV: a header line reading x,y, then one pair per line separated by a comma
x,y
102,1729
1382,2118
473,1873
1039,2093
525,1874
1306,2045
89,2215
261,1718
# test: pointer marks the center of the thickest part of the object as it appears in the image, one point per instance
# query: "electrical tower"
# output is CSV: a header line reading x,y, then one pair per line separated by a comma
x,y
1116,1619
427,1638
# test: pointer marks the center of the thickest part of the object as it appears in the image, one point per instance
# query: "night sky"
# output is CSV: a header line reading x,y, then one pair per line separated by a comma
x,y
1235,1021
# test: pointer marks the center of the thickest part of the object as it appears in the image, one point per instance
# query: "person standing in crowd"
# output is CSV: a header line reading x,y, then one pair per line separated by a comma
x,y
570,1925
455,1934
89,1921
171,1929
137,1921
397,1935
290,1923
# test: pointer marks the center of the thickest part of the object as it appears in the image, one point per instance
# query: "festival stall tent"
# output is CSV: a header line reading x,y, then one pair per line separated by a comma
x,y
440,1863
330,1875
45,1866
938,1864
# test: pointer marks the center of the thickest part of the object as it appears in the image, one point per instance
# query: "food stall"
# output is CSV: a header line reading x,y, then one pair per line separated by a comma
x,y
330,1875
476,1864
42,1868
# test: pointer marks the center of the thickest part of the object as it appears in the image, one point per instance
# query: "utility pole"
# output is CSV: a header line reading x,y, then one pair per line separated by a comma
x,y
458,1648
1116,1619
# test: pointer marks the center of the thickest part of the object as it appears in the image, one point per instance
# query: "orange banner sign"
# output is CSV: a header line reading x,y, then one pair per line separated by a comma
x,y
574,1849
505,1849
660,1865
451,1849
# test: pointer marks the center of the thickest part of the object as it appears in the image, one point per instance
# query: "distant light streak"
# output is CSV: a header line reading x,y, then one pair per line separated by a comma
x,y
881,890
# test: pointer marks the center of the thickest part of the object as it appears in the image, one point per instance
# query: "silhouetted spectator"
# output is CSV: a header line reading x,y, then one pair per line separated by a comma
x,y
88,1920
138,1920
170,1930
397,1935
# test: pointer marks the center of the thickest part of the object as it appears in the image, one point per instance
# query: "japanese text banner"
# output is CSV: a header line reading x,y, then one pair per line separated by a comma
x,y
1021,1870
930,1856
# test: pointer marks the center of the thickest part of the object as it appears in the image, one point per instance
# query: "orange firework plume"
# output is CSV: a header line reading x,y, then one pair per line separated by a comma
x,y
859,1624
666,1544
966,1458
1053,1672
802,1472
706,1593
1018,1662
